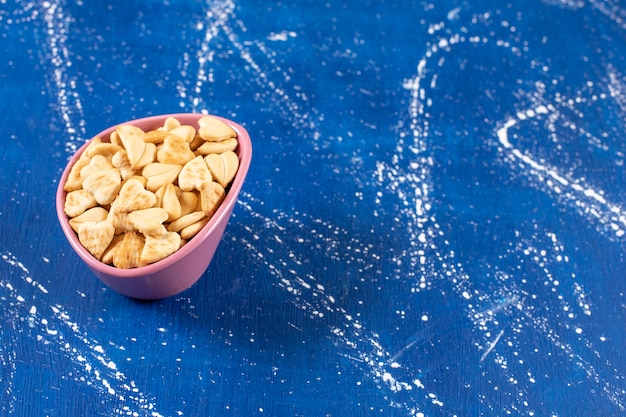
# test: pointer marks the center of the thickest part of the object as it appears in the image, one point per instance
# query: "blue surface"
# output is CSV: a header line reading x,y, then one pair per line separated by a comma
x,y
433,223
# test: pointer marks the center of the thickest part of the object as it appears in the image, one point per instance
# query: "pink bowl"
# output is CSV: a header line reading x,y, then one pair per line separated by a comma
x,y
181,270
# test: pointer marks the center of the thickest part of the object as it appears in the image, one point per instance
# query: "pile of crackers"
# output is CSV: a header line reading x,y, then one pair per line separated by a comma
x,y
139,197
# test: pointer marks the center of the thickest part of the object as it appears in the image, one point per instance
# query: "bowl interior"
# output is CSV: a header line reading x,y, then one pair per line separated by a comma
x,y
244,153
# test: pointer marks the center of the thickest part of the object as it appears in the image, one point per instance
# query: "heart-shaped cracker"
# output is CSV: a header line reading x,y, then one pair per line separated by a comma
x,y
196,143
76,202
194,173
155,136
128,129
139,178
170,123
148,156
159,247
223,166
95,141
185,132
175,150
193,229
211,196
170,202
120,221
74,179
159,196
159,174
184,221
217,147
128,252
121,162
114,138
188,202
104,185
214,130
105,149
107,256
135,147
133,196
96,164
149,221
95,214
96,237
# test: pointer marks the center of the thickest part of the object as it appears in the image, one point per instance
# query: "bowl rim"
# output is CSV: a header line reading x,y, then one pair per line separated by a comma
x,y
243,151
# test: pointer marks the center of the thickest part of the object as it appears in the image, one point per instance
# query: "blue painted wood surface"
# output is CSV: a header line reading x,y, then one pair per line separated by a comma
x,y
433,223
